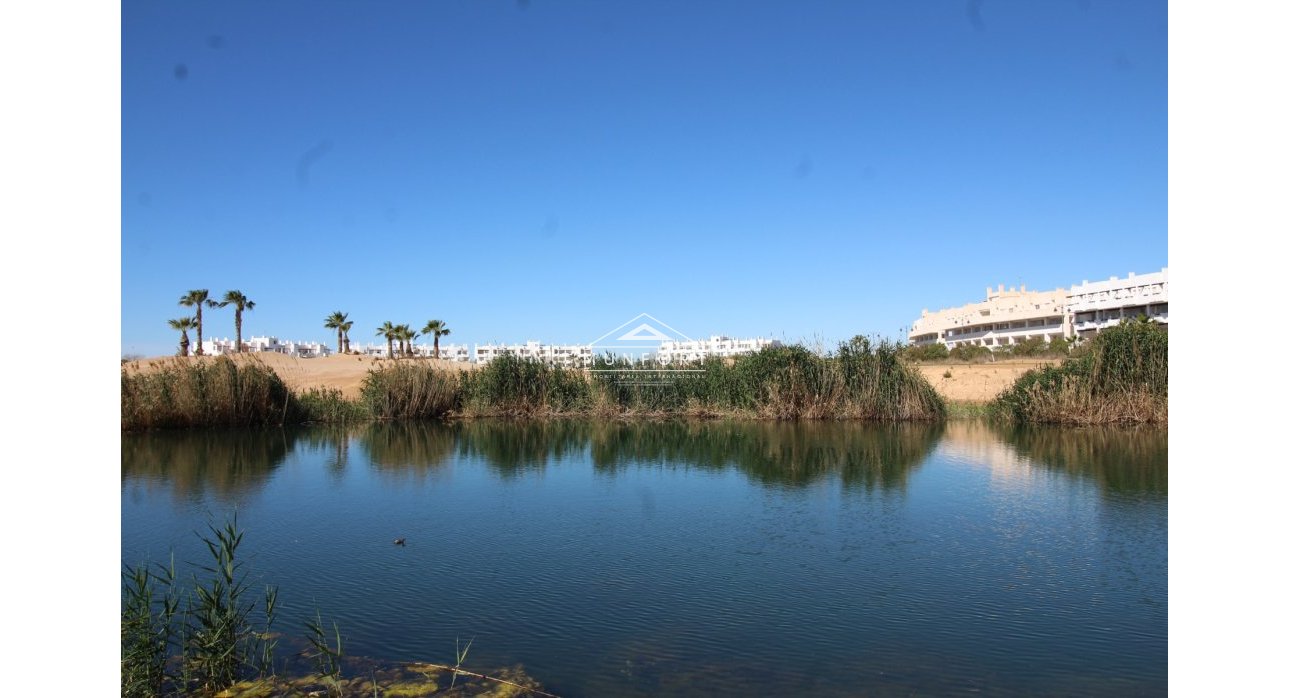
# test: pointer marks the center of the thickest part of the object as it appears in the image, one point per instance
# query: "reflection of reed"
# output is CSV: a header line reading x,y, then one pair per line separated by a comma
x,y
780,453
332,441
225,462
514,447
1125,460
862,455
407,446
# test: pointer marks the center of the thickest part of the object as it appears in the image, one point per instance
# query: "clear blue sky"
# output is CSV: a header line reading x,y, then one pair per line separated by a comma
x,y
547,170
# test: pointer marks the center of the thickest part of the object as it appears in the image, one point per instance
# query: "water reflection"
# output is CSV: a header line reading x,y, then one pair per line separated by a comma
x,y
225,463
396,447
228,463
332,443
511,448
1119,460
772,453
1127,461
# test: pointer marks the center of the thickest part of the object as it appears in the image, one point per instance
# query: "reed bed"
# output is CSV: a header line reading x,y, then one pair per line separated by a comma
x,y
203,393
857,381
410,391
212,634
514,387
1122,378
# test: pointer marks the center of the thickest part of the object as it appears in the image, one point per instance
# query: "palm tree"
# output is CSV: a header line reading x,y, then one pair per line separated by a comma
x,y
198,298
240,302
438,328
389,332
183,324
344,327
335,322
405,339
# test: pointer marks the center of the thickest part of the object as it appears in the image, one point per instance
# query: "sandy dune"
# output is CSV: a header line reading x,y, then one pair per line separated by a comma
x,y
977,382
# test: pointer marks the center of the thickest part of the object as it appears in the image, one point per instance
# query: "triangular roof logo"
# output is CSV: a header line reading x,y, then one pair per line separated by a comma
x,y
644,332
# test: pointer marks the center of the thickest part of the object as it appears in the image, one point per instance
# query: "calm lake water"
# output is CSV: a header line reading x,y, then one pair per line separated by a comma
x,y
697,558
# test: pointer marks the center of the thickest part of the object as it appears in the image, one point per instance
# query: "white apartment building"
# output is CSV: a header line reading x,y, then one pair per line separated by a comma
x,y
304,350
715,346
1002,319
1102,304
1009,317
376,349
447,352
568,355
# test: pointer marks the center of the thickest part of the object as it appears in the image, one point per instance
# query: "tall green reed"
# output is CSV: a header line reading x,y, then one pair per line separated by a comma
x,y
1121,377
219,392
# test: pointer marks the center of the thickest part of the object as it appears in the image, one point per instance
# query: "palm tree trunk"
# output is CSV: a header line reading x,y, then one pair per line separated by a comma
x,y
436,345
183,344
389,346
199,330
339,342
346,342
237,324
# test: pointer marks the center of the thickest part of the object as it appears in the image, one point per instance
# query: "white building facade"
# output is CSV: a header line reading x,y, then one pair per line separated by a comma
x,y
304,350
718,346
1004,318
457,353
1013,316
1102,304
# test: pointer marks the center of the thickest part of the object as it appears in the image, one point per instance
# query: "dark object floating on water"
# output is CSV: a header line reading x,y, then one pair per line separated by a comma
x,y
400,541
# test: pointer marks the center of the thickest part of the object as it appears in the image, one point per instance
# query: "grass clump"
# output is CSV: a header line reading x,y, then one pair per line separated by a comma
x,y
213,636
1121,377
203,393
329,406
208,647
409,390
513,386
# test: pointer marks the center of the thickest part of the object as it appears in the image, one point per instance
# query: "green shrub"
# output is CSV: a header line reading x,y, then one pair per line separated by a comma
x,y
969,352
1122,375
926,352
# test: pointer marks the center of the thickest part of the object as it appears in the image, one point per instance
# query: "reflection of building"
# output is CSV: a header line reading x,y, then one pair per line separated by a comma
x,y
1102,304
569,355
977,444
715,346
304,350
1012,316
1004,318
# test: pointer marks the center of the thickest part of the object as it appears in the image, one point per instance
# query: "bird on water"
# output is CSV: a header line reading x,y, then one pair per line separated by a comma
x,y
400,541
